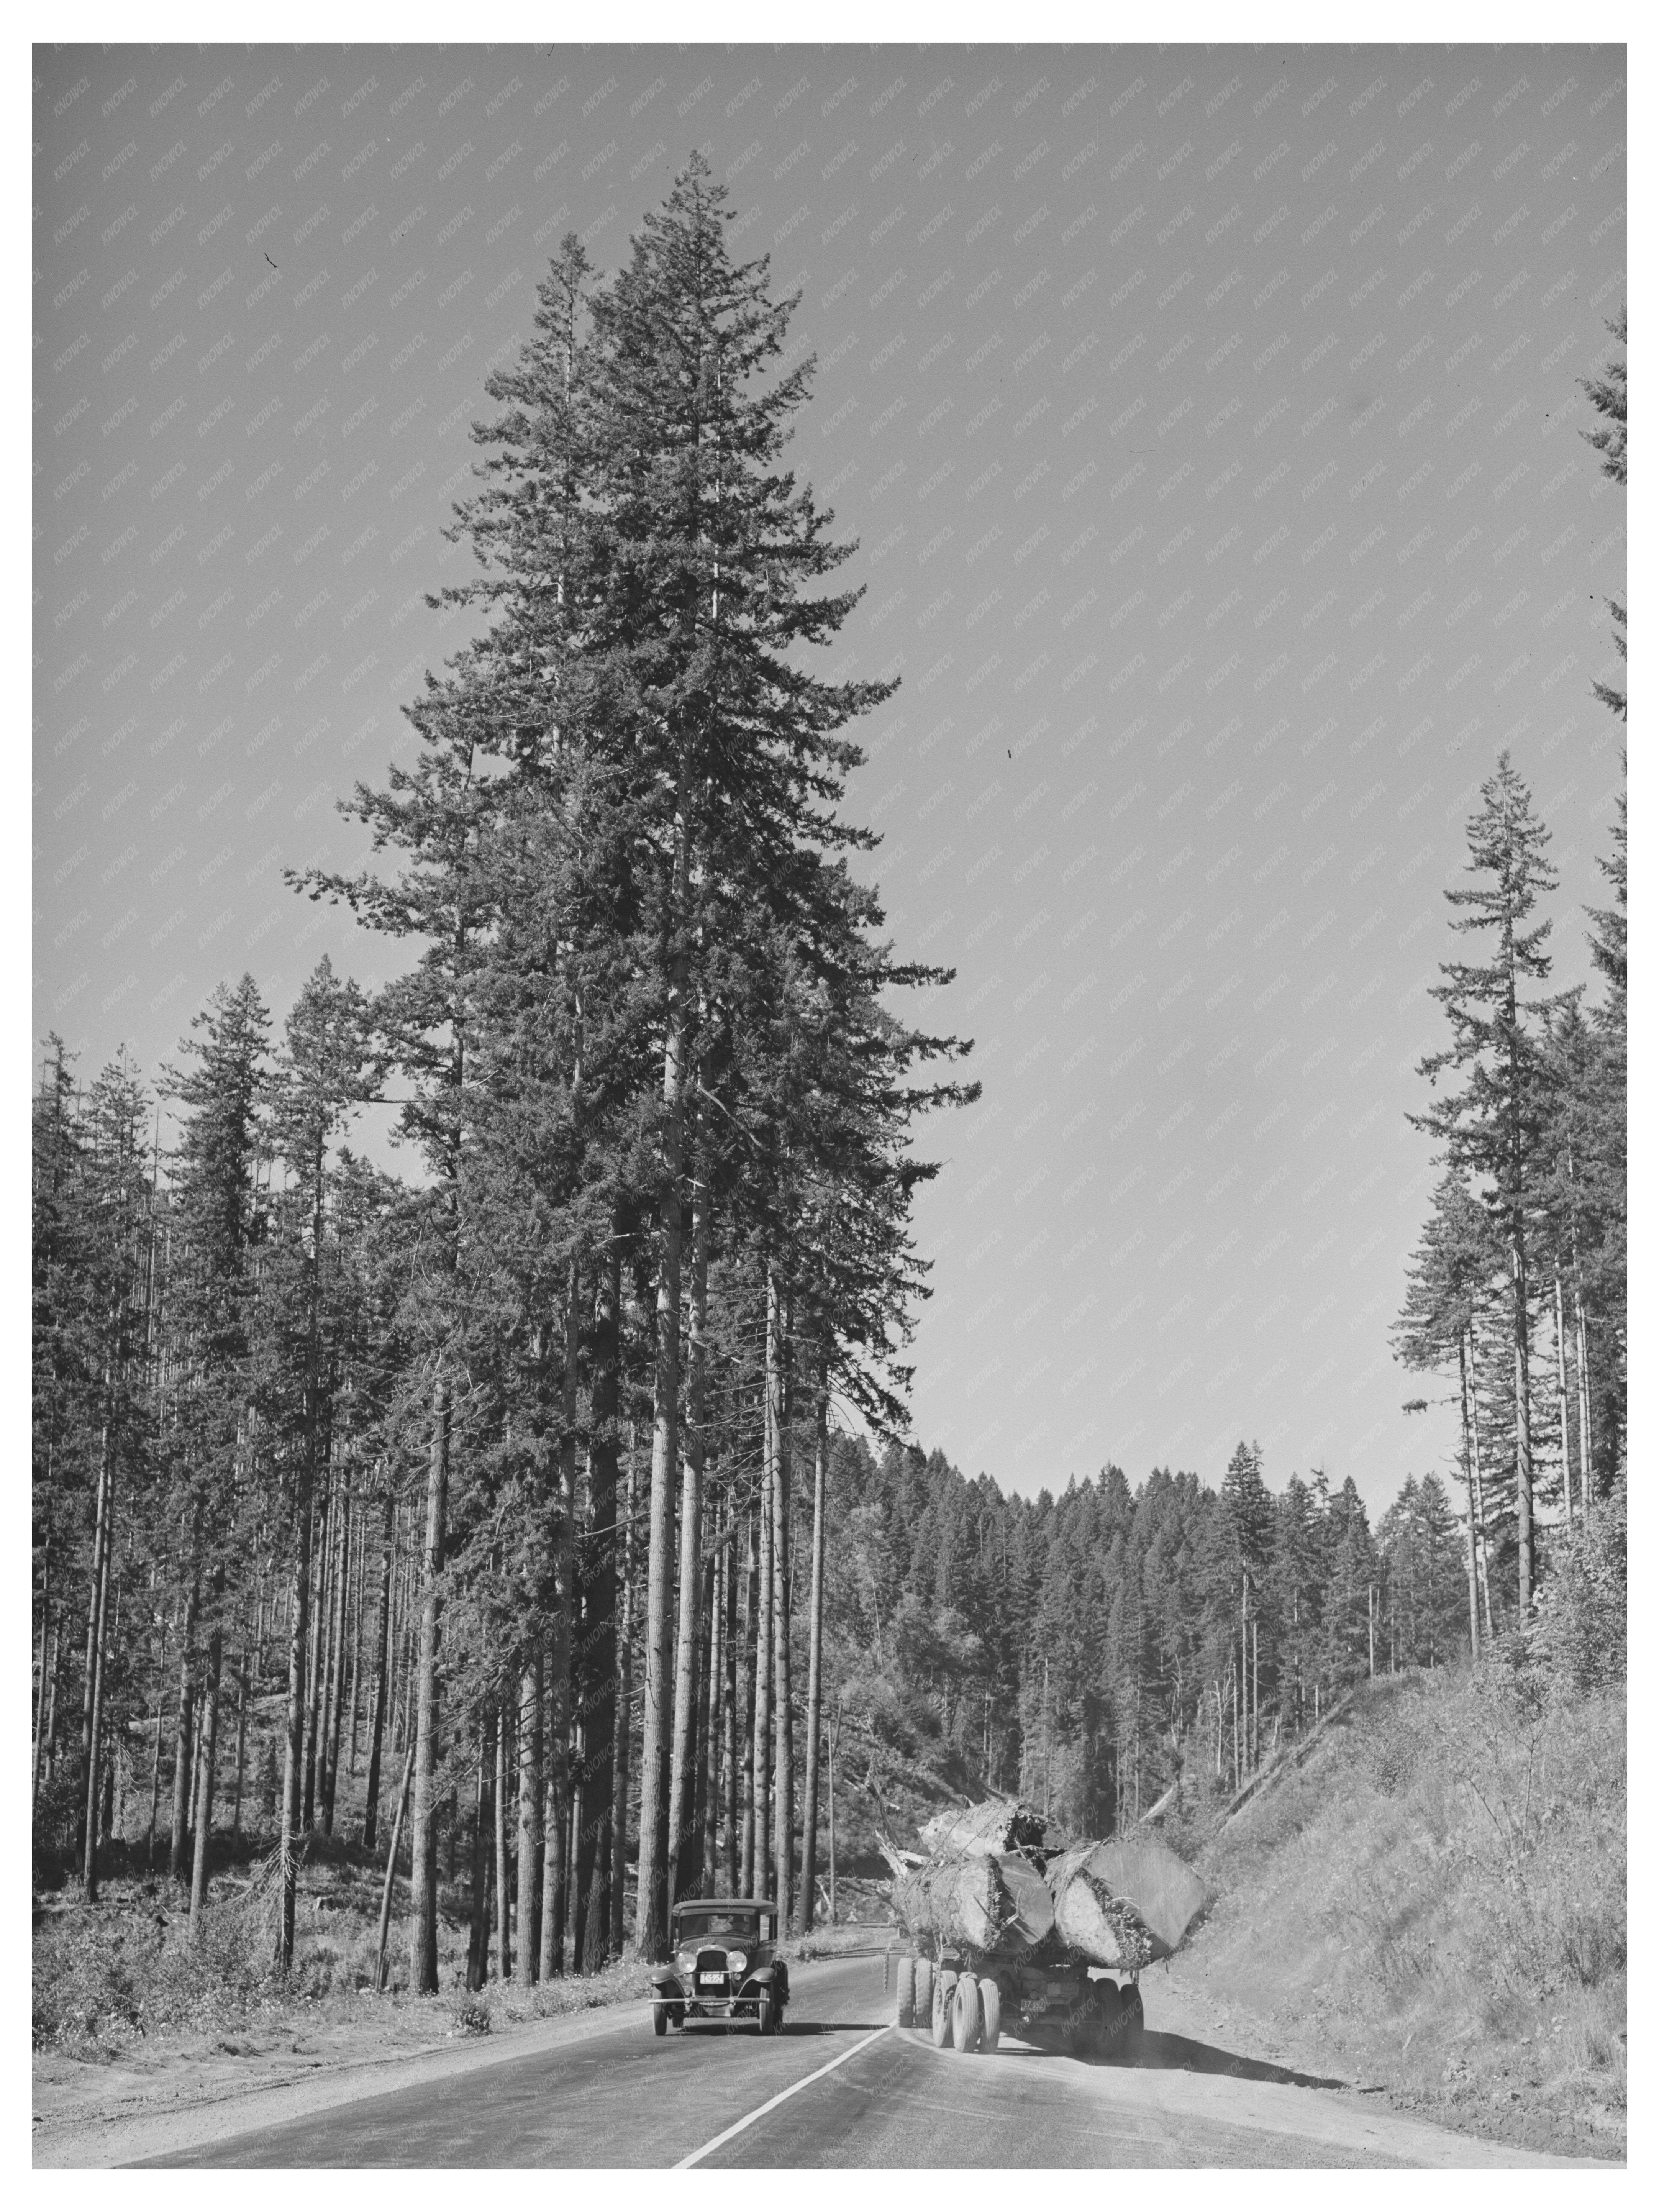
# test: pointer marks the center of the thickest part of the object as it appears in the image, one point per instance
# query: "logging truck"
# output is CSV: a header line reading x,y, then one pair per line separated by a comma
x,y
964,1998
1004,1927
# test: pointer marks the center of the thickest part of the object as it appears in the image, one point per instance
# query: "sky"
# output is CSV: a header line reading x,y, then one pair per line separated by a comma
x,y
1208,422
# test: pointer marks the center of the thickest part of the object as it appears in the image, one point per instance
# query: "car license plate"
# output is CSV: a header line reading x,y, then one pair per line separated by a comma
x,y
704,1980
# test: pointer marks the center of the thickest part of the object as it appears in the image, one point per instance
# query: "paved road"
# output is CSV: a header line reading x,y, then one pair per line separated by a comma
x,y
842,2088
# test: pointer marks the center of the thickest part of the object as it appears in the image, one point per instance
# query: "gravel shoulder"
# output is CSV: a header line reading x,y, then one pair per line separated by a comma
x,y
108,2115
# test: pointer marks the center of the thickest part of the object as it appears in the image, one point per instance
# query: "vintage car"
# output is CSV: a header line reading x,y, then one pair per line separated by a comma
x,y
725,1965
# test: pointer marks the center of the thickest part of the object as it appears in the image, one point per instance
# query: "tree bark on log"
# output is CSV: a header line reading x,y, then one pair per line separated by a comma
x,y
975,1900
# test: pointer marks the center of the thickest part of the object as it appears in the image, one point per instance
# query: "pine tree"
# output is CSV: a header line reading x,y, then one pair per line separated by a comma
x,y
1609,395
1455,1261
323,1075
1492,1128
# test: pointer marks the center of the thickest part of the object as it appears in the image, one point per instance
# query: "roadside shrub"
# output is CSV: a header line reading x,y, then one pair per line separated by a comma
x,y
1581,1629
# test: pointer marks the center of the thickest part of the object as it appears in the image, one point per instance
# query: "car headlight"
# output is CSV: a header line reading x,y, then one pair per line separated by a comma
x,y
686,1960
736,1962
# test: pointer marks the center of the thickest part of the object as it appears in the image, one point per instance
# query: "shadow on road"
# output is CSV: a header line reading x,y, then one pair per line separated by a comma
x,y
744,2029
1181,2054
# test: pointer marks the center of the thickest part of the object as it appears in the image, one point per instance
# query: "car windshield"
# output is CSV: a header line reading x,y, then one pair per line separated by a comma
x,y
698,1927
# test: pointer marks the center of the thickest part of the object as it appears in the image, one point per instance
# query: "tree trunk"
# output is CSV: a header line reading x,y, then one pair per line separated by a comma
x,y
503,1871
1468,1478
185,1744
595,1857
680,1786
651,1926
1586,1450
1480,1488
392,1872
751,1648
293,1747
41,1692
530,1821
242,1748
93,1701
1561,1402
833,1732
709,1785
729,1745
781,1389
809,1854
423,1841
317,1655
477,1948
624,1713
156,1763
762,1780
336,1663
693,1878
383,1641
209,1748
359,1591
52,1708
1523,1426
557,1870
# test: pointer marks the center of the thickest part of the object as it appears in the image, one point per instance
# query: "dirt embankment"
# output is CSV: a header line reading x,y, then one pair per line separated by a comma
x,y
1434,1907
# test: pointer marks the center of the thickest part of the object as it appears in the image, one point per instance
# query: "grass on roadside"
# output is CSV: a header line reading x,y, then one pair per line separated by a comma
x,y
1440,1894
110,1977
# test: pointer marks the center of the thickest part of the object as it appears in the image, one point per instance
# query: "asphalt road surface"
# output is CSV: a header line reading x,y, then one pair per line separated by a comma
x,y
841,2086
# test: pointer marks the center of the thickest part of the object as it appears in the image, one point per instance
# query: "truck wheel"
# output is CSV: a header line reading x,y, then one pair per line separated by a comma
x,y
965,2027
944,2006
907,1991
990,2001
1108,2002
660,2020
1134,2017
924,2005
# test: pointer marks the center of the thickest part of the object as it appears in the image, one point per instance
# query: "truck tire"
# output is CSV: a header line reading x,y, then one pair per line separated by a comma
x,y
1134,2017
907,1991
944,2007
924,2001
990,2003
965,2022
660,2019
1108,2002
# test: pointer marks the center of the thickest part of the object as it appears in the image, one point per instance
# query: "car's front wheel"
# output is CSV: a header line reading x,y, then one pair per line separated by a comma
x,y
766,2013
659,2018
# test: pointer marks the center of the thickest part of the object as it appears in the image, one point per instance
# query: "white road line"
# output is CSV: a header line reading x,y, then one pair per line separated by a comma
x,y
782,2098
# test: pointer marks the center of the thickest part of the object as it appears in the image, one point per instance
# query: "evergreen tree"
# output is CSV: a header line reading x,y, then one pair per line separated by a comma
x,y
1493,1127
